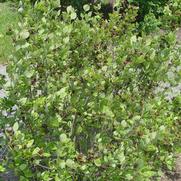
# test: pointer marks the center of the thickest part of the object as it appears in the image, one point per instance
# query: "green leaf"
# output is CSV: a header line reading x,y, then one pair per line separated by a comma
x,y
129,177
152,56
107,111
133,39
23,166
30,143
66,40
73,15
62,164
24,34
62,93
23,101
70,9
153,135
63,138
15,127
2,169
46,155
35,151
29,73
162,128
124,123
97,162
140,59
86,7
70,163
121,157
1,35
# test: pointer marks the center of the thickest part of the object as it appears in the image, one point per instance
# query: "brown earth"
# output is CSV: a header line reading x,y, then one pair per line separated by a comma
x,y
174,175
179,35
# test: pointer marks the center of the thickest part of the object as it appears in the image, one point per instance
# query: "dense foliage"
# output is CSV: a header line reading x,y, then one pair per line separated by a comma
x,y
82,101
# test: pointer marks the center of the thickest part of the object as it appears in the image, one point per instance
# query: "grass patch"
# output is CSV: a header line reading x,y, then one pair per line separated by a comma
x,y
8,21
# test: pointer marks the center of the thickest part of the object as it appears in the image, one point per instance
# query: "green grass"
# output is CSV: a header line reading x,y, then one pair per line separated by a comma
x,y
8,21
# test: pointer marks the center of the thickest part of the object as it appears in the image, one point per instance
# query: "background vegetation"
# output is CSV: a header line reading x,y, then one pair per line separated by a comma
x,y
8,21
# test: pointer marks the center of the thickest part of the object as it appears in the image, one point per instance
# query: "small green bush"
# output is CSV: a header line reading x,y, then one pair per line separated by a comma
x,y
84,94
172,13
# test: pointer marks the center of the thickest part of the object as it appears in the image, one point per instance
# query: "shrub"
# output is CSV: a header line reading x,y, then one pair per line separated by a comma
x,y
84,96
172,13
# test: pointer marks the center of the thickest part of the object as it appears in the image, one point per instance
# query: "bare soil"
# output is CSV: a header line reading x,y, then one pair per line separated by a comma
x,y
179,35
176,174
